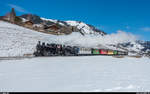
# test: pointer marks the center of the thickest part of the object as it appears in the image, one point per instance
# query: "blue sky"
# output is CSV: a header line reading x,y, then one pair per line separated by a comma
x,y
109,15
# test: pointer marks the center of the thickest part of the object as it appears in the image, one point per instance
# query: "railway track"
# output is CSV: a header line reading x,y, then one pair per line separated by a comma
x,y
30,57
14,58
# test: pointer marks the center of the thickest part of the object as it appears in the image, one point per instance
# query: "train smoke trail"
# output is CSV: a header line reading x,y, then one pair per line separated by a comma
x,y
94,40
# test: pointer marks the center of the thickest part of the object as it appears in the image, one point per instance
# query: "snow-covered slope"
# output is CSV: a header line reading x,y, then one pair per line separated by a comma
x,y
17,41
134,46
85,29
55,21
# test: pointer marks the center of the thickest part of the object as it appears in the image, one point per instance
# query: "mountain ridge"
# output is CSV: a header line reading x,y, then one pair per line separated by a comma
x,y
78,26
55,27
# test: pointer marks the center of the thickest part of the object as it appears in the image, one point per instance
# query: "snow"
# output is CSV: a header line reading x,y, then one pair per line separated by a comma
x,y
24,20
89,73
136,47
52,20
17,41
55,21
85,74
80,25
37,25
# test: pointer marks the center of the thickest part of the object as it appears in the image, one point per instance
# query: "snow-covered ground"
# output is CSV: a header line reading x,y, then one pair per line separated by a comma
x,y
93,74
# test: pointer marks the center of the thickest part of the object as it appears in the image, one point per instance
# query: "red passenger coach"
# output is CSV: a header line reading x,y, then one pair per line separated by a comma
x,y
104,52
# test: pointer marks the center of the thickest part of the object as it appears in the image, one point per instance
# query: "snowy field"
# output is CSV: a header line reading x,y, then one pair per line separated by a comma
x,y
96,73
91,74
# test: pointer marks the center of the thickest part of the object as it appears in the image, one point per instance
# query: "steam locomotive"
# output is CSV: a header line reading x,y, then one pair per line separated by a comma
x,y
53,49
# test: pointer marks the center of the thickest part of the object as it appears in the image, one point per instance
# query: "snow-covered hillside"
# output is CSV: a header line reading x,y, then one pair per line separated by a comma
x,y
55,21
85,29
87,74
17,41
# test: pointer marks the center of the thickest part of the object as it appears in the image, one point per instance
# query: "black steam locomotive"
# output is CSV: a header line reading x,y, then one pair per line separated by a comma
x,y
62,50
55,50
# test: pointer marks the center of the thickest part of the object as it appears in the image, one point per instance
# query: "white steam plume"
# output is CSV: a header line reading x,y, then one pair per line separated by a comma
x,y
92,40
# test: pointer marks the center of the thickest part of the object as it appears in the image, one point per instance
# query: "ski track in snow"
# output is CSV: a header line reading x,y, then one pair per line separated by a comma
x,y
87,73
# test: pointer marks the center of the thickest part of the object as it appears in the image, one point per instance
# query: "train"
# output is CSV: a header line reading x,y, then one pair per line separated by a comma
x,y
43,49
